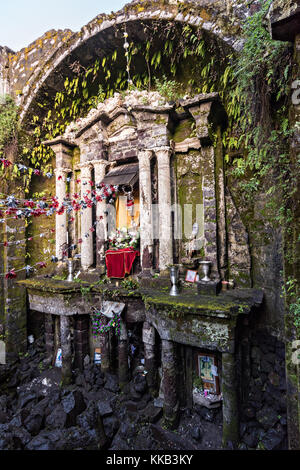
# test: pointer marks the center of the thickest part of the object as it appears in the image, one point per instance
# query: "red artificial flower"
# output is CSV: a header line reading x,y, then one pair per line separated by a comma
x,y
91,183
88,201
92,229
30,239
41,265
37,172
6,163
55,203
30,204
80,241
38,212
78,181
59,178
5,244
11,274
61,210
76,206
10,211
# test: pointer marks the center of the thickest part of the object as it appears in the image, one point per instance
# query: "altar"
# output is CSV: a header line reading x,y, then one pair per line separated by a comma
x,y
119,262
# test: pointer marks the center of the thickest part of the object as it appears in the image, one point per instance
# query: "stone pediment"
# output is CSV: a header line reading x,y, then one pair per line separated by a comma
x,y
121,128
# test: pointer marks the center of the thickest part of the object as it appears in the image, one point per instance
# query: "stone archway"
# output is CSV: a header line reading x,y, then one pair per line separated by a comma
x,y
45,70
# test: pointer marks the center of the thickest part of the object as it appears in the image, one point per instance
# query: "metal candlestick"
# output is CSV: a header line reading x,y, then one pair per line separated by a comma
x,y
174,279
206,268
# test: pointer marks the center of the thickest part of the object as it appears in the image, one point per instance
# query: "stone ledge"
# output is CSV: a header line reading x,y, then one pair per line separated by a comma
x,y
226,305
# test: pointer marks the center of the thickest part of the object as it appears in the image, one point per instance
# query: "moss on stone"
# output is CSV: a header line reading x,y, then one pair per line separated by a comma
x,y
183,130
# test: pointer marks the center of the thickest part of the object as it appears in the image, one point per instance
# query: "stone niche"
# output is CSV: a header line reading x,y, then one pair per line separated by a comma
x,y
179,167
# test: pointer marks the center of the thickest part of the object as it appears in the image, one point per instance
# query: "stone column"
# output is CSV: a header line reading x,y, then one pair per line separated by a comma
x,y
87,255
123,355
81,339
61,220
230,401
221,207
65,338
146,229
101,228
164,200
63,155
104,344
149,351
171,404
49,338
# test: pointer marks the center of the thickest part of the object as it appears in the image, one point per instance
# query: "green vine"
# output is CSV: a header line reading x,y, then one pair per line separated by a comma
x,y
8,122
258,129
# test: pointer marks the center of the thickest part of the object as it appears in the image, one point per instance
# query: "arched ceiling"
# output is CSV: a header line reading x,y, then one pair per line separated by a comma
x,y
103,35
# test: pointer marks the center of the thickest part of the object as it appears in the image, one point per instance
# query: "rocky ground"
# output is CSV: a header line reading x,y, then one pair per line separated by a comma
x,y
37,413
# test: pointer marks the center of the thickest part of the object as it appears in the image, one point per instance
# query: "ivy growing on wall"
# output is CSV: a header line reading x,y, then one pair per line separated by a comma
x,y
8,122
259,123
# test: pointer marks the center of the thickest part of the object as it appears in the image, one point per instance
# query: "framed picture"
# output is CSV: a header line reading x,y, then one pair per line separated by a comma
x,y
97,356
207,366
190,276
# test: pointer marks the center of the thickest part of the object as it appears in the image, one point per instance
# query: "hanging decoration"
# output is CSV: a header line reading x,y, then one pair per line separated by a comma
x,y
126,47
22,169
28,239
20,208
99,325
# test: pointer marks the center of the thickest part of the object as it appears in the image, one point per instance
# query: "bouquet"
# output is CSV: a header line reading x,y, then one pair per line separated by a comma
x,y
124,238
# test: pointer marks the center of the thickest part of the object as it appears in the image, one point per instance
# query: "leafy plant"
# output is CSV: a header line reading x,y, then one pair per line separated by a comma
x,y
198,382
167,88
130,284
8,122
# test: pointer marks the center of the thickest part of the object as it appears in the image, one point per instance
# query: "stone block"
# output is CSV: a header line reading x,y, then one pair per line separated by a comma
x,y
208,288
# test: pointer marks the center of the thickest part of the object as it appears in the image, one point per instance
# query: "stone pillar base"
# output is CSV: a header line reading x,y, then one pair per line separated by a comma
x,y
150,363
65,338
104,343
171,403
208,288
230,402
146,273
49,338
123,356
171,416
81,340
165,273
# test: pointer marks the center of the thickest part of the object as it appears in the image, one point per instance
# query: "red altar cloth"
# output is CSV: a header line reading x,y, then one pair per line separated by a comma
x,y
119,262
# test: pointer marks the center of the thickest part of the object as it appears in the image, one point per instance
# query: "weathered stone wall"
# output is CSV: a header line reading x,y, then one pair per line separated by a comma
x,y
239,260
256,253
46,71
40,249
4,70
31,60
189,180
261,365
